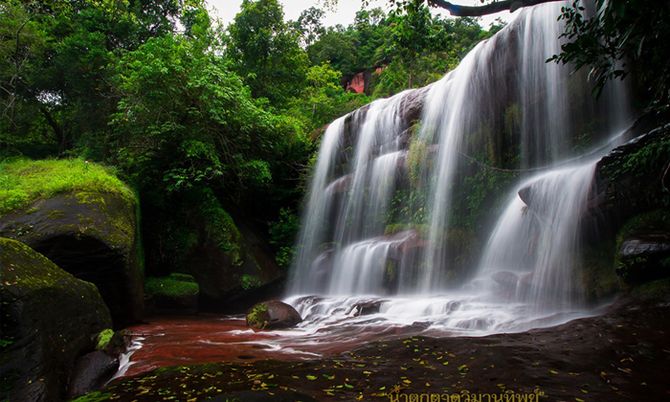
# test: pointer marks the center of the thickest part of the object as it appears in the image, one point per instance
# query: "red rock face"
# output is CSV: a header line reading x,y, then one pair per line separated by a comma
x,y
357,84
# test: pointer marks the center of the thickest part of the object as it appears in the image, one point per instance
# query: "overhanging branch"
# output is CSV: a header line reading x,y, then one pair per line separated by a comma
x,y
478,11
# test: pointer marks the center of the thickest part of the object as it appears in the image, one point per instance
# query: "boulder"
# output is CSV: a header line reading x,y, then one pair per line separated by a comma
x,y
227,257
173,293
49,318
88,229
644,248
366,308
273,314
91,372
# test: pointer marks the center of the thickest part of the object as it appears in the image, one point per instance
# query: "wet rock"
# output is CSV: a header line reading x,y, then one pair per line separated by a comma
x,y
91,372
273,314
49,318
93,236
366,308
630,180
644,258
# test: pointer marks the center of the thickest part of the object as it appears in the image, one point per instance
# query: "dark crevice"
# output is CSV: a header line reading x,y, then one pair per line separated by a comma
x,y
91,260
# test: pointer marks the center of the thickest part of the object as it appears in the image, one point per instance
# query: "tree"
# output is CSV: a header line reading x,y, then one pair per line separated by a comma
x,y
493,6
619,38
265,51
310,26
22,44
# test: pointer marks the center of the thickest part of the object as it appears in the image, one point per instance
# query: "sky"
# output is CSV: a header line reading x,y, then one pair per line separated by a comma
x,y
344,14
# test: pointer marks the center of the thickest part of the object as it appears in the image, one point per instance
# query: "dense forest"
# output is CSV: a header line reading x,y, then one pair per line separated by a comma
x,y
186,109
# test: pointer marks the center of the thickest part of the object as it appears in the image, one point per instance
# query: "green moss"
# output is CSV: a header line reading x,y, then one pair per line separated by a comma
x,y
174,285
221,228
139,243
16,255
103,338
641,162
250,282
257,317
23,181
394,228
417,155
6,342
598,276
96,396
659,289
658,220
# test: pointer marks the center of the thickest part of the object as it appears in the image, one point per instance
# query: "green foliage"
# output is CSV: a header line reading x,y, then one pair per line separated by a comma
x,y
644,160
482,191
620,37
417,156
103,338
23,181
220,227
257,317
174,285
249,282
264,51
282,236
95,396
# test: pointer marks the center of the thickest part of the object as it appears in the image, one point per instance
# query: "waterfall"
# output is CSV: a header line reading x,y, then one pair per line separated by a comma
x,y
385,217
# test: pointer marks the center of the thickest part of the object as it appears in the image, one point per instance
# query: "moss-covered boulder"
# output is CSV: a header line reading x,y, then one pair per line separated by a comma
x,y
226,256
273,314
84,219
48,319
173,293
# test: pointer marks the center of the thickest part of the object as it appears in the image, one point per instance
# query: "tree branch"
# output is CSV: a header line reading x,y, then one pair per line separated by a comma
x,y
478,11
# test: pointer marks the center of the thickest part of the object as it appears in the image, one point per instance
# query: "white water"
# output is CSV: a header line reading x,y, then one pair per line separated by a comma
x,y
527,273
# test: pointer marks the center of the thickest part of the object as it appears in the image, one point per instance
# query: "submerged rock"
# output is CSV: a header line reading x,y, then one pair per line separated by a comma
x,y
273,314
48,319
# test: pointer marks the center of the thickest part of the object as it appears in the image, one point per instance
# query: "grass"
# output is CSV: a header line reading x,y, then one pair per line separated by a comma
x,y
174,285
24,181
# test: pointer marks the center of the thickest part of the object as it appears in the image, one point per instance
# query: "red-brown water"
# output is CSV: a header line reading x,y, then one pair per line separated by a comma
x,y
175,341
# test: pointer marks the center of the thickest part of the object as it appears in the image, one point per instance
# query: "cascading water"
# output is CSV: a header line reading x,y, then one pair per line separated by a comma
x,y
384,219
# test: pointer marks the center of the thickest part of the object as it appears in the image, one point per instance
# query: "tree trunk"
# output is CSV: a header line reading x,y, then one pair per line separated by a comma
x,y
478,11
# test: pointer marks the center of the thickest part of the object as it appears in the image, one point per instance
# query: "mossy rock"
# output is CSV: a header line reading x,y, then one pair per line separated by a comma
x,y
273,314
227,257
83,219
632,179
49,318
176,292
643,246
